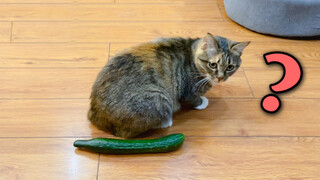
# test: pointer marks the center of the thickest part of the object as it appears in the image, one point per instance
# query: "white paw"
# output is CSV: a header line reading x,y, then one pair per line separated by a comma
x,y
167,124
204,104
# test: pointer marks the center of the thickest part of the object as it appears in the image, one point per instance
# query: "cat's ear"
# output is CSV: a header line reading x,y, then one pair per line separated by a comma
x,y
238,47
209,42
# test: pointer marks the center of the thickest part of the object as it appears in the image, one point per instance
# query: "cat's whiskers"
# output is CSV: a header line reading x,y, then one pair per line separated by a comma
x,y
203,76
201,83
209,81
205,84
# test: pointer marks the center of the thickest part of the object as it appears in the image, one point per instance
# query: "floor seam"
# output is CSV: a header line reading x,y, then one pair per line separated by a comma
x,y
98,167
245,75
222,16
109,51
11,32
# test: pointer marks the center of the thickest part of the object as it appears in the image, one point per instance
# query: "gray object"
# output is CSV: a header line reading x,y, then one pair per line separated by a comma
x,y
290,18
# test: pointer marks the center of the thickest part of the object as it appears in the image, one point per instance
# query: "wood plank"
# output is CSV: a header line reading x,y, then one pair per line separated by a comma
x,y
260,78
53,54
77,83
305,52
223,117
5,31
222,158
47,83
244,117
46,118
164,1
95,54
130,31
45,159
109,12
54,1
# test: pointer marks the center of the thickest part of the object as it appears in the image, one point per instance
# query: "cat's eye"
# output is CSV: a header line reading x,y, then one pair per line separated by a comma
x,y
230,67
213,65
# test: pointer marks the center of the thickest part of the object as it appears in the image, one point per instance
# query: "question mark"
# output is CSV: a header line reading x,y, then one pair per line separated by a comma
x,y
291,78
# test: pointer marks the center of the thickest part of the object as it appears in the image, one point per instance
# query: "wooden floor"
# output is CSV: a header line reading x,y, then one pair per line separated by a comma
x,y
52,50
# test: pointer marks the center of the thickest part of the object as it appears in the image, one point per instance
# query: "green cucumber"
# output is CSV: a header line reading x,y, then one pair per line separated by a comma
x,y
118,146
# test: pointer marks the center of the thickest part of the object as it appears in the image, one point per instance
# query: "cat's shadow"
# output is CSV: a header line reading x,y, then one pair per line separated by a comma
x,y
165,131
213,113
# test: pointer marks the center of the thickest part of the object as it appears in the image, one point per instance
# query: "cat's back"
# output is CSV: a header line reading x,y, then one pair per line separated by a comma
x,y
150,53
132,63
141,54
129,70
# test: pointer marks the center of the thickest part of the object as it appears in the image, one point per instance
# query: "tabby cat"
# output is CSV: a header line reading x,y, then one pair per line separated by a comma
x,y
141,87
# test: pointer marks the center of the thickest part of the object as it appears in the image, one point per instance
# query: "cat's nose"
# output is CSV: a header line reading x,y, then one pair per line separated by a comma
x,y
220,78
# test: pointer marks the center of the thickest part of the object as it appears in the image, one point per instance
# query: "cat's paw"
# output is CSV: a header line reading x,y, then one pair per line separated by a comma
x,y
164,124
204,104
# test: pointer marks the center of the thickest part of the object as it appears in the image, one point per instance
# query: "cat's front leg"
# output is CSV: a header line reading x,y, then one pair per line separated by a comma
x,y
197,102
204,103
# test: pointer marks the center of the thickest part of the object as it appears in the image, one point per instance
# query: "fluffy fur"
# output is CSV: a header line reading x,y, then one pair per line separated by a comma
x,y
141,87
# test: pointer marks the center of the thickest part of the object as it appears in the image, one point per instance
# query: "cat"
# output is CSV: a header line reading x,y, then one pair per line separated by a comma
x,y
141,87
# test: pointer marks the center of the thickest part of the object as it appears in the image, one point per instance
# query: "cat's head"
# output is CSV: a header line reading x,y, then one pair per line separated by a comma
x,y
218,58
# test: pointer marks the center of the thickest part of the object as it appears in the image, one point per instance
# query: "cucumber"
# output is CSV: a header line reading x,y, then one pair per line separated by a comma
x,y
118,146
